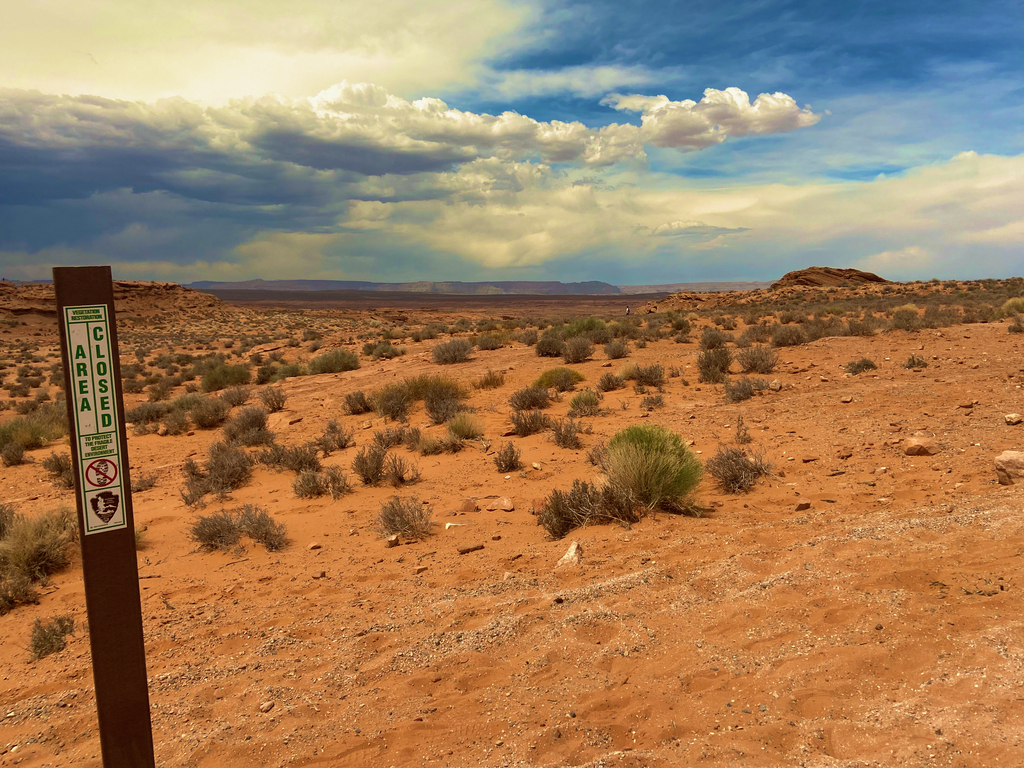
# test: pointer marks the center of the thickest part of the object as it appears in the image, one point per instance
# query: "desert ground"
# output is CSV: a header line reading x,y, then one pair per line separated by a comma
x,y
857,606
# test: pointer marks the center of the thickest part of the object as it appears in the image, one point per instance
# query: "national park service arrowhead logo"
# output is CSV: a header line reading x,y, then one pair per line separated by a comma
x,y
105,505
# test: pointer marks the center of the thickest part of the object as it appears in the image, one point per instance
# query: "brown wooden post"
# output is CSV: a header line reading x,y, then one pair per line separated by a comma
x,y
99,453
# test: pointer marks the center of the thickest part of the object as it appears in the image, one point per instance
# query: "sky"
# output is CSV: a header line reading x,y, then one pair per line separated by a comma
x,y
399,140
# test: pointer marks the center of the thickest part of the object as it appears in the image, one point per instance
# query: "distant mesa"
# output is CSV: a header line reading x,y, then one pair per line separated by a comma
x,y
826,277
494,288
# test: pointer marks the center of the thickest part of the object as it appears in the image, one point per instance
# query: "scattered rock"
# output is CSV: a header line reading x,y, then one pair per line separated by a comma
x,y
572,556
453,525
295,421
920,446
1009,466
319,574
504,504
391,541
809,459
474,548
468,506
802,506
844,454
420,569
536,465
508,575
846,399
266,706
967,405
315,545
775,386
496,537
1013,418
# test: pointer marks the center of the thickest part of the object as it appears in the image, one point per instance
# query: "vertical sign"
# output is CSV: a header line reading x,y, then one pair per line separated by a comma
x,y
96,418
99,453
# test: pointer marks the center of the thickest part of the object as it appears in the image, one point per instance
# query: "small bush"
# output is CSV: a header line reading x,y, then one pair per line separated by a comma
x,y
508,458
334,438
713,365
562,379
488,342
652,402
406,517
356,403
392,401
12,454
399,472
915,362
61,472
227,468
712,338
904,319
743,389
528,337
735,471
314,484
368,464
758,359
1017,326
609,382
1011,307
223,530
450,352
859,366
248,427
577,349
549,345
389,437
490,380
652,375
654,465
383,351
273,398
143,481
525,423
222,375
50,636
530,398
209,412
466,427
146,413
566,433
787,336
616,349
585,403
585,504
235,396
441,408
335,361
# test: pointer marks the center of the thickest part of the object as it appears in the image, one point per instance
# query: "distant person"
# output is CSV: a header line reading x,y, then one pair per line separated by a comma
x,y
627,310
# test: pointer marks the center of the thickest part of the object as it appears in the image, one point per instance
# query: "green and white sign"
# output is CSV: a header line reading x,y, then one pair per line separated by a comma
x,y
96,418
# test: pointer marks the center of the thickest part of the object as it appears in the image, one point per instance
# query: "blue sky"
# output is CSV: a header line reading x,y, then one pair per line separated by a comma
x,y
476,139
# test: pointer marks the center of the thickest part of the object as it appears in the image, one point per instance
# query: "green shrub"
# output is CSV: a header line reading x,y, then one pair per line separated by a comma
x,y
389,437
743,389
1017,326
450,352
399,472
368,464
530,422
758,359
652,402
617,349
227,468
488,342
528,337
577,349
654,465
335,361
248,427
904,319
915,362
787,336
713,365
585,403
311,484
1011,307
12,454
334,438
585,504
146,413
235,396
406,517
549,344
508,458
859,366
466,427
356,403
712,338
34,547
222,375
209,412
392,401
566,433
530,398
490,380
143,481
50,636
273,398
609,382
61,471
561,378
735,471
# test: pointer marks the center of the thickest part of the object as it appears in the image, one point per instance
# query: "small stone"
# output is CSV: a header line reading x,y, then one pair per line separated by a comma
x,y
966,405
802,506
314,545
266,706
295,421
391,541
775,386
319,574
878,627
468,506
809,459
504,504
920,446
1009,466
420,569
508,575
846,399
496,537
448,526
845,453
1013,418
824,379
572,556
536,465
353,532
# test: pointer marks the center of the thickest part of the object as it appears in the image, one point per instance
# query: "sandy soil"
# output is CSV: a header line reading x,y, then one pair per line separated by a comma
x,y
880,625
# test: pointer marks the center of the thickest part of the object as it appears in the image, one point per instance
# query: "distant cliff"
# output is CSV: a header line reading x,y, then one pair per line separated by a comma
x,y
423,286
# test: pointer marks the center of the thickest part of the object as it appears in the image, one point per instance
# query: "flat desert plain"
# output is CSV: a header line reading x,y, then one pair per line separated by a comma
x,y
857,606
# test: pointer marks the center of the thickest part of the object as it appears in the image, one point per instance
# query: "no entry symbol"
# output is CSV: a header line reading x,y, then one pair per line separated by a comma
x,y
101,473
